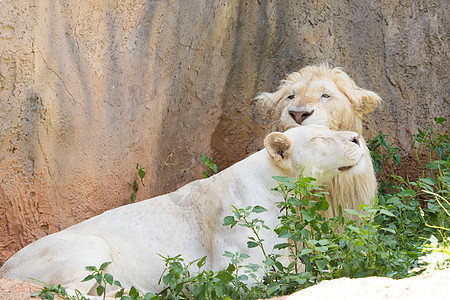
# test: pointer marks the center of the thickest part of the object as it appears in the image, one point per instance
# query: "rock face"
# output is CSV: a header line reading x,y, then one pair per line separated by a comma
x,y
88,89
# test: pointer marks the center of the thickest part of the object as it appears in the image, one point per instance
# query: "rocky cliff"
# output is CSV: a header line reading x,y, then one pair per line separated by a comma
x,y
90,88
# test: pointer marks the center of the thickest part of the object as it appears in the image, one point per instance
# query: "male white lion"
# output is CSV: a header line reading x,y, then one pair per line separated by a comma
x,y
328,96
189,220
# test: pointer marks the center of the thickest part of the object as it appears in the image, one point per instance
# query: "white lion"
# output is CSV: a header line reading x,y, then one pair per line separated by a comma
x,y
189,220
327,96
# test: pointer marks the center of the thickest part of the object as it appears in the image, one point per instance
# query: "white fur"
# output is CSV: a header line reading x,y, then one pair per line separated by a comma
x,y
189,220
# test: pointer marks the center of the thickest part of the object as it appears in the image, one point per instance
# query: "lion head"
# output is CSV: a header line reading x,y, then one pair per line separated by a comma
x,y
316,151
320,95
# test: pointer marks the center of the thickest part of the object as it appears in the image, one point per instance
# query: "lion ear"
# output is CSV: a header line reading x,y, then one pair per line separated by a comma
x,y
279,146
267,100
367,100
363,101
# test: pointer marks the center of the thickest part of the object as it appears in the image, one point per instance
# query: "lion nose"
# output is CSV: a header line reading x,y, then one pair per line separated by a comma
x,y
300,116
355,140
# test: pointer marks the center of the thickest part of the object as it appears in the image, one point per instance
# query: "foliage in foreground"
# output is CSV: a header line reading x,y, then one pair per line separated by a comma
x,y
409,218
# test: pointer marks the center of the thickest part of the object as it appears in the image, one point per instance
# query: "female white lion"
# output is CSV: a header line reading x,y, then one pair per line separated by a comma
x,y
189,220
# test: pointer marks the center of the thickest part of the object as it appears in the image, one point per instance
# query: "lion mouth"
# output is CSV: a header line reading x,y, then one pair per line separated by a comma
x,y
345,168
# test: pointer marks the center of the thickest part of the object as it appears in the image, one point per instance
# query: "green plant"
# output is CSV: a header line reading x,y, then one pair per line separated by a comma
x,y
437,255
141,174
434,141
211,167
384,157
103,279
49,292
242,217
182,283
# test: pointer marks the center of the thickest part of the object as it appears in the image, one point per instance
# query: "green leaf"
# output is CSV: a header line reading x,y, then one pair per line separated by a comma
x,y
231,268
119,294
307,215
91,268
251,244
219,292
440,120
324,242
281,246
201,262
428,180
228,254
389,230
177,267
225,276
352,211
167,278
321,264
271,288
386,212
87,278
242,277
50,295
104,265
109,278
394,200
134,294
359,243
98,277
306,251
117,283
100,290
354,228
258,209
151,296
229,220
179,287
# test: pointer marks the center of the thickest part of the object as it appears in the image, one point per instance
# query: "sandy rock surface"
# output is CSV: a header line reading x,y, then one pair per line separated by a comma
x,y
16,289
432,286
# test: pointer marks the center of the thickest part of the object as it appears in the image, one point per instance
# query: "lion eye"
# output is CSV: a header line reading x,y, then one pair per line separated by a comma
x,y
291,96
326,96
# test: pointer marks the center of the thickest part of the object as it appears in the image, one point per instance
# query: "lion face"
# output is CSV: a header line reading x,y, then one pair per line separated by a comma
x,y
320,95
317,151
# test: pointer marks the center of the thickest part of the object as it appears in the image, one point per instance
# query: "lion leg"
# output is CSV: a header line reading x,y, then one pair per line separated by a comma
x,y
60,259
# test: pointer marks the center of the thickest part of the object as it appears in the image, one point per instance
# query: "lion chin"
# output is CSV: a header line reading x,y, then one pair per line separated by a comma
x,y
189,220
327,96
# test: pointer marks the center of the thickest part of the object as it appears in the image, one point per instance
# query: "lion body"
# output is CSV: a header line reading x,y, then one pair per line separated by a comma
x,y
189,220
